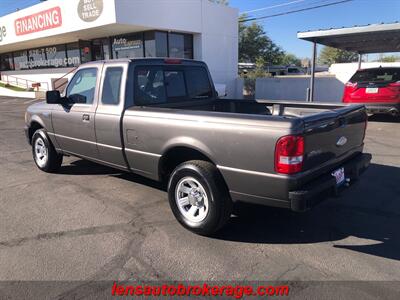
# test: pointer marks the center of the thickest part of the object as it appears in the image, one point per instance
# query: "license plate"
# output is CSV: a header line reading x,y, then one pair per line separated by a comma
x,y
339,176
372,90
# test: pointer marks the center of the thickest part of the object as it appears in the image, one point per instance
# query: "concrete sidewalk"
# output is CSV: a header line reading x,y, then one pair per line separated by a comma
x,y
10,93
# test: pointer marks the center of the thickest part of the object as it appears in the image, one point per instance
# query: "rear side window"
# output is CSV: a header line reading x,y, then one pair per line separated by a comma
x,y
158,84
377,75
112,86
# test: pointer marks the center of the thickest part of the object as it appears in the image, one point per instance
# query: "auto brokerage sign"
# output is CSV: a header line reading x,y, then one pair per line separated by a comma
x,y
3,33
44,20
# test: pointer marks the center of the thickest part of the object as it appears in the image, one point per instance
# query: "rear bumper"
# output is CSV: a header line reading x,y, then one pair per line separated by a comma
x,y
297,193
317,190
383,108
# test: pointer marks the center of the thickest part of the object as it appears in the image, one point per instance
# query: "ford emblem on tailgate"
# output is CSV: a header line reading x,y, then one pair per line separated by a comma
x,y
341,141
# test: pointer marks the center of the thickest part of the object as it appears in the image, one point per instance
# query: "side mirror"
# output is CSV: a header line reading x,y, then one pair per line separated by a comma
x,y
53,97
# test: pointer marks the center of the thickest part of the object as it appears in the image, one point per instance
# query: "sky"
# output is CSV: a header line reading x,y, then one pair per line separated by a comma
x,y
283,29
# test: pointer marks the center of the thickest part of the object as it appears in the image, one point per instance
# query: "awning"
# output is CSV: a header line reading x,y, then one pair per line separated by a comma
x,y
373,38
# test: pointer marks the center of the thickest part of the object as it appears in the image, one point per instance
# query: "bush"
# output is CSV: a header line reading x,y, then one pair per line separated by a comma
x,y
250,80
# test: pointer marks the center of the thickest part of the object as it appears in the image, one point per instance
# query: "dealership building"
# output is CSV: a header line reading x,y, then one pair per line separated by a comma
x,y
45,42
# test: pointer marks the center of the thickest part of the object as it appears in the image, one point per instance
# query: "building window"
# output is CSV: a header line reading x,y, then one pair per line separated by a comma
x,y
21,60
176,45
73,55
101,49
156,44
6,62
36,58
85,51
188,46
56,56
137,45
129,46
180,45
47,57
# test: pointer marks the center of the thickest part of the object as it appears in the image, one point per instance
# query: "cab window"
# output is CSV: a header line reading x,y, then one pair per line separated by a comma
x,y
150,87
83,86
157,84
112,86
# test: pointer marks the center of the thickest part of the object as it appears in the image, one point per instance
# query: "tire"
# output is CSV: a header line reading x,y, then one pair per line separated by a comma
x,y
205,205
45,156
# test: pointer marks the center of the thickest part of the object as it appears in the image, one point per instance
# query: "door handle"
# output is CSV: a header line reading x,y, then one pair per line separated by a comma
x,y
85,118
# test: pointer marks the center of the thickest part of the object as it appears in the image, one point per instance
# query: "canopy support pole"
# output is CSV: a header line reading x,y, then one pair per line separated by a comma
x,y
359,60
312,79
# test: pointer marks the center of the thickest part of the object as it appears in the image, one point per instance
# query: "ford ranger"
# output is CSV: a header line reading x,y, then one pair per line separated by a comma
x,y
162,119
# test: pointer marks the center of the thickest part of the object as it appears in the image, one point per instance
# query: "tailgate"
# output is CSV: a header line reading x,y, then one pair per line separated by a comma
x,y
333,134
375,92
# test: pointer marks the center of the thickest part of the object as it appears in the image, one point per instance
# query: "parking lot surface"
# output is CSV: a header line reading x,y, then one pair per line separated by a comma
x,y
91,222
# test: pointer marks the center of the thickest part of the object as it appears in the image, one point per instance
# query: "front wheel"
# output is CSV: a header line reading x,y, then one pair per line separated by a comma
x,y
198,197
45,156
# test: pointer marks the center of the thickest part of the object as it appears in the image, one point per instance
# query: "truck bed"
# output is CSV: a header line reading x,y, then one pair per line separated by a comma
x,y
225,126
255,107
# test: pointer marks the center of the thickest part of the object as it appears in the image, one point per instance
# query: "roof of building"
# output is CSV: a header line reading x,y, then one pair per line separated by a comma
x,y
371,38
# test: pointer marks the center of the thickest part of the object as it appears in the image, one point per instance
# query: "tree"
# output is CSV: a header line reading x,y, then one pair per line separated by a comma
x,y
390,58
290,59
331,55
254,44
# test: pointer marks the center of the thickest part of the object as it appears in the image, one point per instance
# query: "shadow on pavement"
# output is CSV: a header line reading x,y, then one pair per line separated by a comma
x,y
384,118
369,211
85,167
142,180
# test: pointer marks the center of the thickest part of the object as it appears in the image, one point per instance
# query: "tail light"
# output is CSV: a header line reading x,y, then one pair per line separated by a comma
x,y
289,154
395,84
349,87
395,87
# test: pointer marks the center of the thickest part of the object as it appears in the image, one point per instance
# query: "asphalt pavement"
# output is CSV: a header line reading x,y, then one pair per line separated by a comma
x,y
90,222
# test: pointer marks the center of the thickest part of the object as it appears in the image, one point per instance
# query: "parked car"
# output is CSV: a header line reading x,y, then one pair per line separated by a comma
x,y
163,120
285,70
377,88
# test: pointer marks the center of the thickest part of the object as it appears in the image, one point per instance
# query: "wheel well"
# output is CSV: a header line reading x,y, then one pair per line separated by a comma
x,y
32,129
175,156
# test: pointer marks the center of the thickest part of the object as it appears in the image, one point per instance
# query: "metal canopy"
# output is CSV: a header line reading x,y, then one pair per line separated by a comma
x,y
374,38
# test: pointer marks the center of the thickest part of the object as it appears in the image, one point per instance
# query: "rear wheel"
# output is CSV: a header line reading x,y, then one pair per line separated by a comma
x,y
45,156
198,197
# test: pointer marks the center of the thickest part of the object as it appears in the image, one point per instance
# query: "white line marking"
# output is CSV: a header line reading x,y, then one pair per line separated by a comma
x,y
30,101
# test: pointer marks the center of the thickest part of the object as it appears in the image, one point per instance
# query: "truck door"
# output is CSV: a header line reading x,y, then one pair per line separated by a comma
x,y
109,113
73,122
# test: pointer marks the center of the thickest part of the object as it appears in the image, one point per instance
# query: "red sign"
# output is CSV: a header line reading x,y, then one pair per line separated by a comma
x,y
40,21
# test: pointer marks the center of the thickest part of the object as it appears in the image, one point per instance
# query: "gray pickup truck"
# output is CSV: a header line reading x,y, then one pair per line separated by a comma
x,y
162,119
